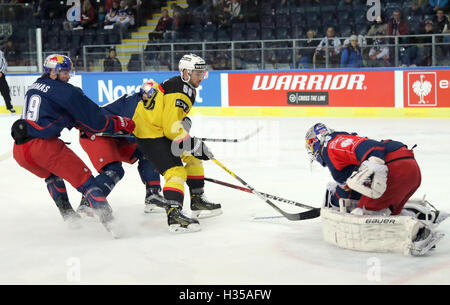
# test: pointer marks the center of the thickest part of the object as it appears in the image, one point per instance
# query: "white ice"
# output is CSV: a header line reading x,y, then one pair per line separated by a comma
x,y
37,247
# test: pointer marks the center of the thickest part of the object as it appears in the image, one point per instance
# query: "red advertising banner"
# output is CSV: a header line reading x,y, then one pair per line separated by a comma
x,y
426,88
313,89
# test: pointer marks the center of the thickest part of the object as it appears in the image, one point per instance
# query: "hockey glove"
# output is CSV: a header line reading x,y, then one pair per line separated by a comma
x,y
370,179
200,150
123,124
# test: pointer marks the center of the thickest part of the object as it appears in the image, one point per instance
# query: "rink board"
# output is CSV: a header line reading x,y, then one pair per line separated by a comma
x,y
331,93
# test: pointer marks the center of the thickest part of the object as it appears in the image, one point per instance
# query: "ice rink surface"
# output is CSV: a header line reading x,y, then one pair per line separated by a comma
x,y
37,247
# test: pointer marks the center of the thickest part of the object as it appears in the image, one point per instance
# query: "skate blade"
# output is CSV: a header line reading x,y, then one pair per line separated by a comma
x,y
110,227
430,245
176,228
153,208
74,224
86,212
200,214
441,217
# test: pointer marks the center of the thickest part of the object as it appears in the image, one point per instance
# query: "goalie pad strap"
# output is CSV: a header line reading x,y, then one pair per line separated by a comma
x,y
369,233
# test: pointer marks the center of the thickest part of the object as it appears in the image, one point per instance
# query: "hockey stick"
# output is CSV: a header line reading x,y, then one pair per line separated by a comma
x,y
118,135
234,140
313,213
268,196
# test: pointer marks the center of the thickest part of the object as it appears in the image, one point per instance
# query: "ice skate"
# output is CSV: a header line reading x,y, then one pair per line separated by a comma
x,y
178,223
68,214
154,201
85,209
425,241
202,208
425,211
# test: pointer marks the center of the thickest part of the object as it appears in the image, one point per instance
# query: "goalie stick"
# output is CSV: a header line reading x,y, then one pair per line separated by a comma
x,y
268,196
245,138
313,213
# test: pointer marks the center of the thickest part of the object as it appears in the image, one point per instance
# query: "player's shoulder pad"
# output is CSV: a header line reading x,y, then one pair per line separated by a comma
x,y
176,85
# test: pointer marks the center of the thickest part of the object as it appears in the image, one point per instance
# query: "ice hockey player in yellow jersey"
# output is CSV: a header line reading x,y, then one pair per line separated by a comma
x,y
162,132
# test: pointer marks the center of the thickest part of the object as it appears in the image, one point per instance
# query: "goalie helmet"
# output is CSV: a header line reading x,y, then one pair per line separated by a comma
x,y
58,62
191,62
315,139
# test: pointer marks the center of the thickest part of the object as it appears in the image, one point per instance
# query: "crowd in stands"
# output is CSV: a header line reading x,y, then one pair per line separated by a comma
x,y
324,25
335,33
102,22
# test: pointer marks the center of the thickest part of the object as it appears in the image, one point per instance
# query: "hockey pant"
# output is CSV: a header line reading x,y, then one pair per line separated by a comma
x,y
44,157
106,154
159,152
403,180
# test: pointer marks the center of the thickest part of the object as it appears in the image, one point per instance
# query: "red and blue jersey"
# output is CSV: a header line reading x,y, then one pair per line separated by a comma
x,y
52,105
343,153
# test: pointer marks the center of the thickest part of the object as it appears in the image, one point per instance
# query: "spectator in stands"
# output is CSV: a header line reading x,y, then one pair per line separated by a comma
x,y
12,53
112,15
112,63
351,55
101,14
379,54
379,28
88,15
164,23
235,11
420,7
108,4
419,54
332,51
305,57
440,21
126,17
177,27
446,39
221,14
250,10
397,26
438,4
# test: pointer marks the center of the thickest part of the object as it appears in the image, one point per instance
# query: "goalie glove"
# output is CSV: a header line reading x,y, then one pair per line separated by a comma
x,y
370,179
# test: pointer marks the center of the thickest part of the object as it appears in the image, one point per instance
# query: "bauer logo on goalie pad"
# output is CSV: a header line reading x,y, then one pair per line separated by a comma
x,y
381,221
182,104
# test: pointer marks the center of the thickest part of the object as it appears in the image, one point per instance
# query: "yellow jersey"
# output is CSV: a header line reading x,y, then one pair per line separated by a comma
x,y
161,115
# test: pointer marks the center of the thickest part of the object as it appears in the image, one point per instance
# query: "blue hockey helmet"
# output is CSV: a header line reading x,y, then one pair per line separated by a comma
x,y
58,62
315,139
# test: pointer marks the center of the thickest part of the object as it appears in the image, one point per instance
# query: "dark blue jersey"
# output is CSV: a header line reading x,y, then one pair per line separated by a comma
x,y
52,105
125,105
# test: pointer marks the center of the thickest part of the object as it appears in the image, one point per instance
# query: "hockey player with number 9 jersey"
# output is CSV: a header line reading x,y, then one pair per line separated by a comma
x,y
52,104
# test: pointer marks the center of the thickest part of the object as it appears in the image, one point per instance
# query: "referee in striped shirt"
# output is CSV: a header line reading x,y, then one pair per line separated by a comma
x,y
4,88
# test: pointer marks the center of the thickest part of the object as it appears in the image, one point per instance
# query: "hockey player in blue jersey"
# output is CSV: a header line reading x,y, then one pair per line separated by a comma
x,y
107,154
52,104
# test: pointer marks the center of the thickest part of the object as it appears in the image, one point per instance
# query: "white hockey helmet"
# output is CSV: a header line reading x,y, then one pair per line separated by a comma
x,y
191,62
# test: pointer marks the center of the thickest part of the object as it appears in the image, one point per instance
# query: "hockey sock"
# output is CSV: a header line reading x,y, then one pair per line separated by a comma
x,y
111,174
57,189
149,175
93,193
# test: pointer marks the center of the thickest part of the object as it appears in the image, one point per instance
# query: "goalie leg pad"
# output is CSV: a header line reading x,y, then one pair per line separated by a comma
x,y
377,233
